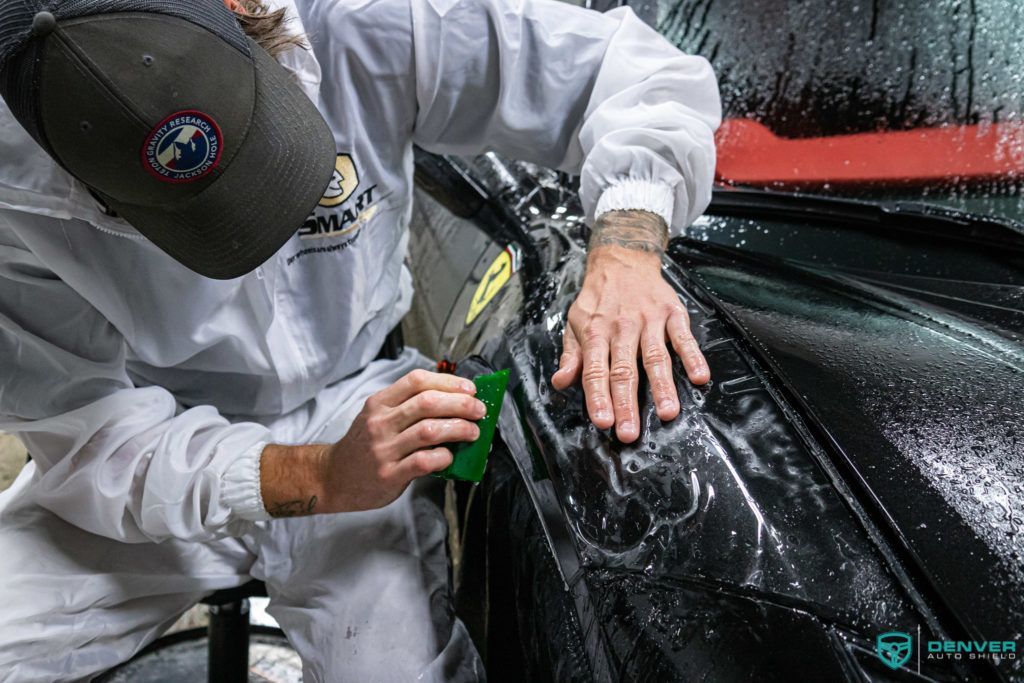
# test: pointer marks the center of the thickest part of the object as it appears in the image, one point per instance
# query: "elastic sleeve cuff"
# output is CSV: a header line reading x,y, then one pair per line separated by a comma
x,y
632,195
241,486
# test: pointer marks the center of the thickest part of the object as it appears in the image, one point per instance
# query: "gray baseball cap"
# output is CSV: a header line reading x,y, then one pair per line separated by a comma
x,y
174,118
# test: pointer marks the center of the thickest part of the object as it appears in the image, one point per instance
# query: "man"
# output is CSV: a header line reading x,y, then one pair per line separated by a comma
x,y
194,376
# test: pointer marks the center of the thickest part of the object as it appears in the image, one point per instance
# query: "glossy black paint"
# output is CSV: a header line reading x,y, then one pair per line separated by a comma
x,y
921,407
799,506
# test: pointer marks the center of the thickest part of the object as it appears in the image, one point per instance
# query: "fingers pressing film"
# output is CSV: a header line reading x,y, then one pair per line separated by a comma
x,y
627,320
623,379
570,362
595,378
658,367
607,366
685,345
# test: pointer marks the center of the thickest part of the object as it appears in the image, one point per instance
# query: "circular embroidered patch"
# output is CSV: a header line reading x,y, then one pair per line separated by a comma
x,y
183,147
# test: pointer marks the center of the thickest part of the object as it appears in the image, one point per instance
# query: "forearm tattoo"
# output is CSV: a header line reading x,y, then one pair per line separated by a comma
x,y
638,230
293,508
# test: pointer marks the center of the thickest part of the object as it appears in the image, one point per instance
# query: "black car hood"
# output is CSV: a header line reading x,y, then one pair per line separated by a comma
x,y
853,448
922,407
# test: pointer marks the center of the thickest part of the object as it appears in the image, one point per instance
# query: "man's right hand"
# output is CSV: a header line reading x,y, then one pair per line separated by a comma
x,y
394,439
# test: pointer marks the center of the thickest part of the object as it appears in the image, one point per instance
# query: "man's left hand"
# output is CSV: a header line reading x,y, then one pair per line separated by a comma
x,y
625,310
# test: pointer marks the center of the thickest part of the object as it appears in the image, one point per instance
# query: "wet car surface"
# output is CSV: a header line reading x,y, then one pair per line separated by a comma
x,y
855,467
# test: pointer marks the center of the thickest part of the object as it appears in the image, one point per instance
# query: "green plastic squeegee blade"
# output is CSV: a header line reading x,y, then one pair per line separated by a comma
x,y
470,459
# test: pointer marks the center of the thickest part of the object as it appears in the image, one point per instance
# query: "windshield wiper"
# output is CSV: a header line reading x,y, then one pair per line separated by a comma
x,y
907,217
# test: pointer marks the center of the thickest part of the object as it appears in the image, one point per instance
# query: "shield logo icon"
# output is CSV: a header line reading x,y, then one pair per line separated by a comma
x,y
343,183
894,648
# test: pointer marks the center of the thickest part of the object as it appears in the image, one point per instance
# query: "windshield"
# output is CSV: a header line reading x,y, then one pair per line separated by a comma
x,y
877,100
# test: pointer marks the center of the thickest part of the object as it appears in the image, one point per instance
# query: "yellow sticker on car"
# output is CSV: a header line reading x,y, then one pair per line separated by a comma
x,y
493,280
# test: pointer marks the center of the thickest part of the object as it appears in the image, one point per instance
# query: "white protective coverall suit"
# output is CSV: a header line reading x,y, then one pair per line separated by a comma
x,y
145,392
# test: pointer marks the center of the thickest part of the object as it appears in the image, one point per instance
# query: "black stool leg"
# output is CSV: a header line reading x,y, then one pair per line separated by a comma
x,y
228,657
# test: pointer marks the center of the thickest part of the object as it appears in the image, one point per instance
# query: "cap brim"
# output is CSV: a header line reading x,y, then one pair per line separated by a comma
x,y
261,197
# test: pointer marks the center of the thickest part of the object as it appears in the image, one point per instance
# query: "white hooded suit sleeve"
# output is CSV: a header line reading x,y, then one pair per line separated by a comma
x,y
601,95
118,461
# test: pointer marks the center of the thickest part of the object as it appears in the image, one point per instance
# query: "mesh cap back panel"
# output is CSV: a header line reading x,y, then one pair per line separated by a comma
x,y
16,17
212,14
15,25
22,94
20,55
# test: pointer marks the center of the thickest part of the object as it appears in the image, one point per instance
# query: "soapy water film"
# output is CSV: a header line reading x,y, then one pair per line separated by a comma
x,y
726,491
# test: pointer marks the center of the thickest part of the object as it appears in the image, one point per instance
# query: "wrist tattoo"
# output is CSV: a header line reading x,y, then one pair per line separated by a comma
x,y
637,230
292,508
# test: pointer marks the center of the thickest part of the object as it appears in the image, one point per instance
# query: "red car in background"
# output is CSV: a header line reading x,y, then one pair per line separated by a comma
x,y
900,100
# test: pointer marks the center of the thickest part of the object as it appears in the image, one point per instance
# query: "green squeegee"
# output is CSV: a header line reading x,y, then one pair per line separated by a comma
x,y
470,459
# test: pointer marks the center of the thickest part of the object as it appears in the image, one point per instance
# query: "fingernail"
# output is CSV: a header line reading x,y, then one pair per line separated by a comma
x,y
667,404
468,386
602,415
626,427
481,409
